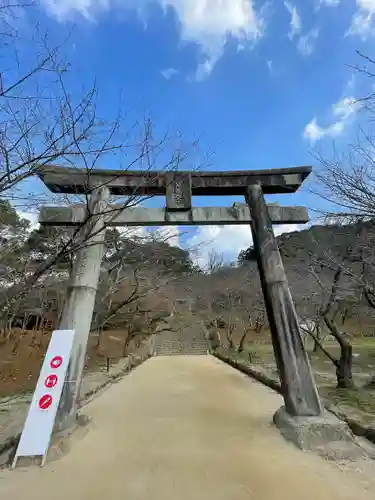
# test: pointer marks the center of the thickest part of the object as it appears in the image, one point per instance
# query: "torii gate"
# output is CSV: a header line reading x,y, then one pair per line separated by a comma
x,y
298,385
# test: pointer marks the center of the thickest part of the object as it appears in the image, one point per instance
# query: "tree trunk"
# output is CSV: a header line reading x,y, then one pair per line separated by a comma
x,y
213,339
259,326
219,338
100,335
344,370
229,339
242,342
344,316
318,337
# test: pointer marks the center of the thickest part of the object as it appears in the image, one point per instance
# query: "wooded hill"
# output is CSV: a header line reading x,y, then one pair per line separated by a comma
x,y
136,270
312,257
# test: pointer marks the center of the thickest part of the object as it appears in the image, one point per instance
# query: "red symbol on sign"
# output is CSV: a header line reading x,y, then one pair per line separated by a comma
x,y
56,362
51,381
45,402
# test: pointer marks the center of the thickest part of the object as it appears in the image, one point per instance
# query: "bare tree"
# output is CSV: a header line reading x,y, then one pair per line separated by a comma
x,y
347,180
144,323
347,183
312,328
252,322
230,326
215,261
328,312
119,295
43,123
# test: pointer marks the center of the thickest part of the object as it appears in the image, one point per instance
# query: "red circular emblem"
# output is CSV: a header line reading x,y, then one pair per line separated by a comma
x,y
45,402
51,381
56,362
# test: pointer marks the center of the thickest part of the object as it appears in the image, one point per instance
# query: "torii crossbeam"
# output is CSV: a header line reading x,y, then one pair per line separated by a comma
x,y
119,216
151,182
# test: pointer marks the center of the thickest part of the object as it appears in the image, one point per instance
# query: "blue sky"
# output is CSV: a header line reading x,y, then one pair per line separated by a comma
x,y
258,83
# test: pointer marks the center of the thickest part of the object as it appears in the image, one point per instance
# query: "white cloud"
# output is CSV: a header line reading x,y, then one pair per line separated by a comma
x,y
30,216
208,23
168,73
362,21
342,112
295,22
226,240
65,9
345,107
312,131
270,66
306,42
329,3
287,228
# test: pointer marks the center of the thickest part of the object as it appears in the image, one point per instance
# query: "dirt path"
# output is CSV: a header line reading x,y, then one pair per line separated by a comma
x,y
188,428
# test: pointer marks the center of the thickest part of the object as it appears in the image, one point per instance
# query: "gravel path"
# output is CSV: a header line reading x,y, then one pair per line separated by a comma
x,y
187,428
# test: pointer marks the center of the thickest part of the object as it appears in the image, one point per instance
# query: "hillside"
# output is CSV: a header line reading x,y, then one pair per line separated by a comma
x,y
320,241
312,257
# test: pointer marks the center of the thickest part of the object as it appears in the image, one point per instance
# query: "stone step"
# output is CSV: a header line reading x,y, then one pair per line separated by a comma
x,y
181,348
182,343
187,341
180,353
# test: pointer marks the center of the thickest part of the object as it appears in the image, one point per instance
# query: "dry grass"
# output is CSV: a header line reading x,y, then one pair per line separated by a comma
x,y
21,360
360,399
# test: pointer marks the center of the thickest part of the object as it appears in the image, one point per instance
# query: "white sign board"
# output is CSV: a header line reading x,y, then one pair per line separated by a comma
x,y
37,431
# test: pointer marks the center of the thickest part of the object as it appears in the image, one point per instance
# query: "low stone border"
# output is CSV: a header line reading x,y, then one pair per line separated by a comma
x,y
257,375
117,372
356,427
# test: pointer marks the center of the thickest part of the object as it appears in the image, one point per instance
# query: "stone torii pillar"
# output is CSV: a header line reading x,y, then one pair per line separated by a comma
x,y
297,382
80,301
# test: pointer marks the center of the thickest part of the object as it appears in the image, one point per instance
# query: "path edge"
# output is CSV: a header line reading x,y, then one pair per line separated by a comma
x,y
355,426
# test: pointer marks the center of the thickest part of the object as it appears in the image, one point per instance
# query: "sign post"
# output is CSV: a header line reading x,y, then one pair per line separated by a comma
x,y
37,431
